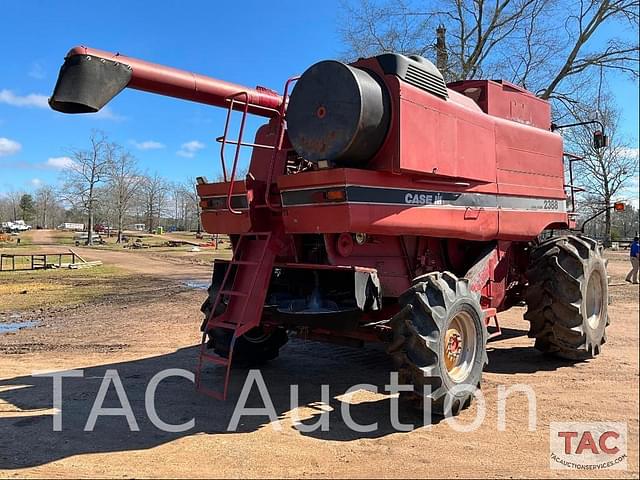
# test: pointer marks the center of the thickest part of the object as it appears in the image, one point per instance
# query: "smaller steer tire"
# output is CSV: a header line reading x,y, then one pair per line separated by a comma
x,y
567,297
255,347
439,342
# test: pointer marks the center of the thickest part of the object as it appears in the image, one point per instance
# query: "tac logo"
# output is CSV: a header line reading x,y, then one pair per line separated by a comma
x,y
588,446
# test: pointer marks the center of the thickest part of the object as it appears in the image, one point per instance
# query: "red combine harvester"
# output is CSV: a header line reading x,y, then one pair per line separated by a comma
x,y
381,205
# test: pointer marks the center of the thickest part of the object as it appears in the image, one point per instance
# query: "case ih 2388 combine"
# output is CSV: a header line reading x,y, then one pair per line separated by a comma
x,y
380,204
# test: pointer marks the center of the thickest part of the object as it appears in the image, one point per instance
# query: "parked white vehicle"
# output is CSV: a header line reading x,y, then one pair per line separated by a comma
x,y
71,226
17,226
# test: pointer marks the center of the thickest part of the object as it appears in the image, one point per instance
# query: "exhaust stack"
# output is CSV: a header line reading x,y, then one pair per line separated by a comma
x,y
90,78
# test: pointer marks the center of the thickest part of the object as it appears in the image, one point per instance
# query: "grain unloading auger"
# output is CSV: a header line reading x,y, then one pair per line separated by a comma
x,y
381,205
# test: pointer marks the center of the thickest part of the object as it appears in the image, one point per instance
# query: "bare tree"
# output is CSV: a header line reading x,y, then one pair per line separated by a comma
x,y
154,193
176,198
83,176
13,200
581,25
625,224
604,173
193,201
5,208
545,45
124,181
45,204
185,202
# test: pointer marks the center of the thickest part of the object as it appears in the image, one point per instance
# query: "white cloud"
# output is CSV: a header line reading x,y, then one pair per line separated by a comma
x,y
59,162
189,149
148,145
631,193
36,71
8,147
42,101
31,100
36,182
630,152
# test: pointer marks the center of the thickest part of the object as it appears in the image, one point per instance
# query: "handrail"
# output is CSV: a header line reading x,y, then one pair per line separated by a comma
x,y
232,100
278,145
572,188
245,144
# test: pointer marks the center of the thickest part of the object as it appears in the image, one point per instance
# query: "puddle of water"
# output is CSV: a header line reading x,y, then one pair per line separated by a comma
x,y
196,284
15,326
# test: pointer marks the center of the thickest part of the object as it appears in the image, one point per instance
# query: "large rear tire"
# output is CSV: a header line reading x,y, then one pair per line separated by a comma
x,y
567,297
439,342
255,347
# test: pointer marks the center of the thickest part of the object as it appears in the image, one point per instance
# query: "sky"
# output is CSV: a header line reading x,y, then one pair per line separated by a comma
x,y
246,42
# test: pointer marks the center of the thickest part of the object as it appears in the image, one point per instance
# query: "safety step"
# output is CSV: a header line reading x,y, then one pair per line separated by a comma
x,y
215,358
226,325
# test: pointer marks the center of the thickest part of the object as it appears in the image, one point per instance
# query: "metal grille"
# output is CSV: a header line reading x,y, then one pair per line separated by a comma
x,y
426,81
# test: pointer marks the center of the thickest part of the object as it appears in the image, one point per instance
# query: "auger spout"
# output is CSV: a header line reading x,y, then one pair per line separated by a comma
x,y
90,78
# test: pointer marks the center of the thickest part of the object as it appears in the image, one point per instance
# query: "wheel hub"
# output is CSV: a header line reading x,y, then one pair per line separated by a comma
x,y
454,344
459,347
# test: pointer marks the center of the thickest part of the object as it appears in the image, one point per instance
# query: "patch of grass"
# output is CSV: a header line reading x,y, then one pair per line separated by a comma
x,y
34,289
19,262
17,241
62,238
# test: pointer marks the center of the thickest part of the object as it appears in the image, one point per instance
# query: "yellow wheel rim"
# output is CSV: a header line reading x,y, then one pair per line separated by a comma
x,y
460,345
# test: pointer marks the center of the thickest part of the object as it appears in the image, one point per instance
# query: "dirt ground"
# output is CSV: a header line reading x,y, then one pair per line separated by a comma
x,y
152,323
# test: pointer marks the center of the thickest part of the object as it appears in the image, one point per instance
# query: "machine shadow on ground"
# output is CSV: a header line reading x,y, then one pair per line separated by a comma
x,y
29,440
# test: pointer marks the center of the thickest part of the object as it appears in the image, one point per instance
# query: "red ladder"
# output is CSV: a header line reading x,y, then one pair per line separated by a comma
x,y
245,285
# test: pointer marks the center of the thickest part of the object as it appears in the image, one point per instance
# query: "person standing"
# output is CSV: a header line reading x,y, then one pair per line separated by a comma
x,y
634,255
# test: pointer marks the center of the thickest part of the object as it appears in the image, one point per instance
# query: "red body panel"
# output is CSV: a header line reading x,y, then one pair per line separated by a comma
x,y
444,138
215,217
505,132
468,223
506,100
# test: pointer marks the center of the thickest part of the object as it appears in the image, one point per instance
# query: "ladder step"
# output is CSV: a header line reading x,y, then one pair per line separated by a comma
x,y
233,293
215,358
225,325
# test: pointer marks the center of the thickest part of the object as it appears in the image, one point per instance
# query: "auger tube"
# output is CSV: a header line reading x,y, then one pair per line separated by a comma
x,y
90,78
